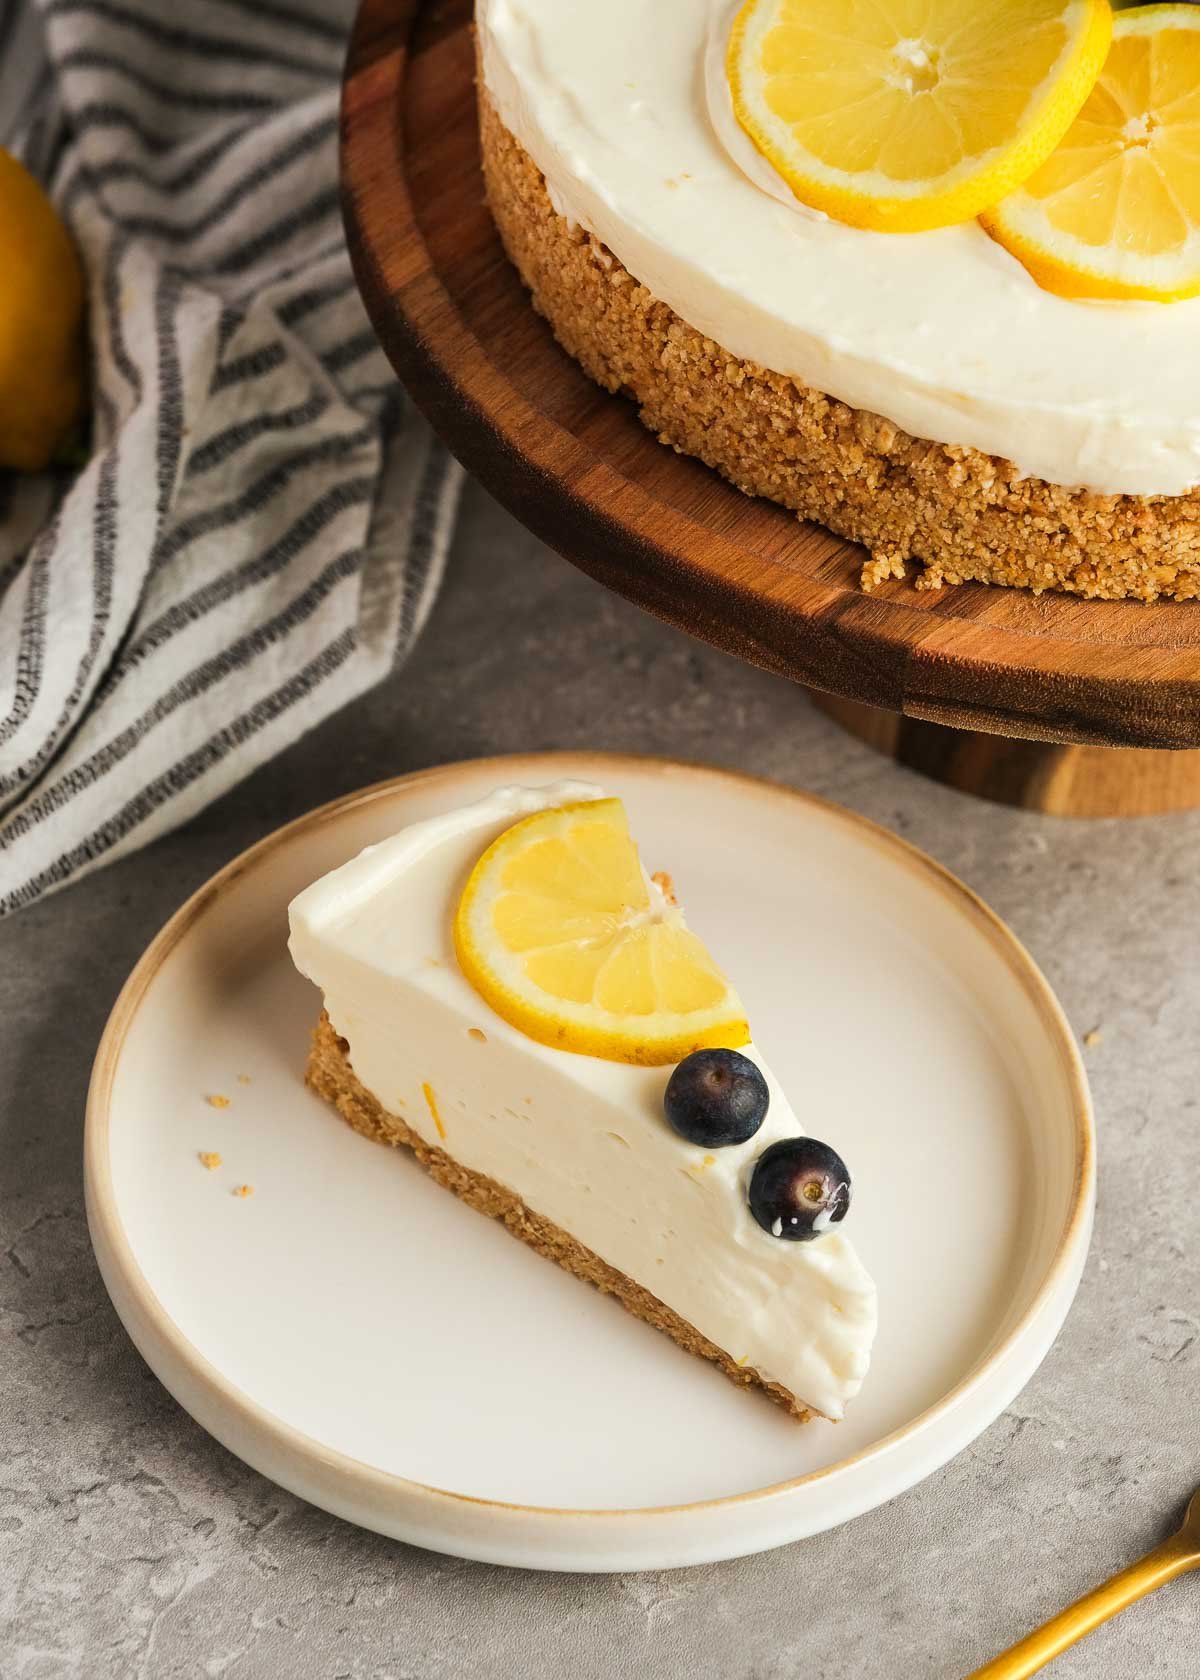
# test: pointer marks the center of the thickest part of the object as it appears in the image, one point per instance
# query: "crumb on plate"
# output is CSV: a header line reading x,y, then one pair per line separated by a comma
x,y
216,1100
1091,1039
243,1190
209,1158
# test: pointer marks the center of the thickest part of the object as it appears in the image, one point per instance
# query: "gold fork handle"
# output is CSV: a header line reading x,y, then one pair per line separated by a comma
x,y
1173,1557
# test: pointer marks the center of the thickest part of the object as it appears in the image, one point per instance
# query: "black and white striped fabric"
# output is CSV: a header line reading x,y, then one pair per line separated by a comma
x,y
259,532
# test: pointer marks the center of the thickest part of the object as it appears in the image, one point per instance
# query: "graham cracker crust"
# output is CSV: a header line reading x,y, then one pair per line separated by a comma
x,y
960,514
331,1076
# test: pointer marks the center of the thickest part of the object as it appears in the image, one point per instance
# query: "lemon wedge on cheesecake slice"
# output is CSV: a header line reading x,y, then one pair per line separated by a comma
x,y
903,115
1115,211
560,931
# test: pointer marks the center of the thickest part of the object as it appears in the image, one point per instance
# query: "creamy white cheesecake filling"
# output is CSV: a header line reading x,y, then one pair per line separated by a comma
x,y
582,1141
623,106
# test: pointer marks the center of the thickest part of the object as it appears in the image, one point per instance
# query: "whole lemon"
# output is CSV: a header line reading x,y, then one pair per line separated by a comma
x,y
41,324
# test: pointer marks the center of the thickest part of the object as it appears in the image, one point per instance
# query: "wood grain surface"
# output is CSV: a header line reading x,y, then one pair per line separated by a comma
x,y
1057,779
576,466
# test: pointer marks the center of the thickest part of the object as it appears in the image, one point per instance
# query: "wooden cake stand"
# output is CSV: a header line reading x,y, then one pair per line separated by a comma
x,y
1016,697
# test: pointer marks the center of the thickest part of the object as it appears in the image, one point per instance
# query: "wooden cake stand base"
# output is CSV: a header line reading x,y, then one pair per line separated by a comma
x,y
1064,781
1052,702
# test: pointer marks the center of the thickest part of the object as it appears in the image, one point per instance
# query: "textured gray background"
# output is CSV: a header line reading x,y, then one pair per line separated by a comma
x,y
132,1545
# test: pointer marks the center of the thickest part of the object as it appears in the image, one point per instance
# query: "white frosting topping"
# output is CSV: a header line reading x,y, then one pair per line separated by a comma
x,y
624,107
582,1141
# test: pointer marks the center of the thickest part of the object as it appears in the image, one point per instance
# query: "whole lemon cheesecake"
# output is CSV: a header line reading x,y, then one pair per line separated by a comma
x,y
929,276
511,997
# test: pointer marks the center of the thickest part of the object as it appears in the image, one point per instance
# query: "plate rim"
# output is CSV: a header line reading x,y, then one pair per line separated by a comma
x,y
104,1215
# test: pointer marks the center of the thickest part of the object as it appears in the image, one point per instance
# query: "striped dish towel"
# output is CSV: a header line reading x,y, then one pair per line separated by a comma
x,y
258,534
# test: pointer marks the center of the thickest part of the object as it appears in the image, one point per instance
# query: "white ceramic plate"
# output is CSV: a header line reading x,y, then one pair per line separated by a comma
x,y
369,1342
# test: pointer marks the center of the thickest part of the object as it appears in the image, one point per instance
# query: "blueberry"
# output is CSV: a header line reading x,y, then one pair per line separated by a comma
x,y
716,1097
799,1188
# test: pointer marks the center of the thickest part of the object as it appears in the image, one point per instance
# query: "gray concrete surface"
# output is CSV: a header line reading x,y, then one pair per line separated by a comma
x,y
132,1545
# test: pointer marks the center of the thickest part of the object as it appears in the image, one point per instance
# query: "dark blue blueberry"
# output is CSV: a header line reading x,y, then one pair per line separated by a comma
x,y
799,1188
716,1097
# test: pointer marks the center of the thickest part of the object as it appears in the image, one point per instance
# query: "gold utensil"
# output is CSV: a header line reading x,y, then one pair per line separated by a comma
x,y
1174,1557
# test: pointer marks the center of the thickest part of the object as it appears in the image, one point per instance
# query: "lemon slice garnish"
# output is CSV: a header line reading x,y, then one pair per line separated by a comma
x,y
900,115
559,930
1115,212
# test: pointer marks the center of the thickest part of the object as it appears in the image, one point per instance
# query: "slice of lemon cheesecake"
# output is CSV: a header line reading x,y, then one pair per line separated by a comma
x,y
511,996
